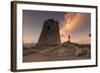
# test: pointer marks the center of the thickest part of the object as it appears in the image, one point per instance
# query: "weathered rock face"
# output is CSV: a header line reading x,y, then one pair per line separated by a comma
x,y
49,36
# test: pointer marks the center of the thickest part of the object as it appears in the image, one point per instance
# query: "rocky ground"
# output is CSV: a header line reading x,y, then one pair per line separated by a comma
x,y
67,51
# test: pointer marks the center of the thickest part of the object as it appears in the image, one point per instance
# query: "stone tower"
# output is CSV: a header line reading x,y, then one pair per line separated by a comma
x,y
49,36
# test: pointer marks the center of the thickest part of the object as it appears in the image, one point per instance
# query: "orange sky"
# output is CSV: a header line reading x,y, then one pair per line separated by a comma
x,y
71,22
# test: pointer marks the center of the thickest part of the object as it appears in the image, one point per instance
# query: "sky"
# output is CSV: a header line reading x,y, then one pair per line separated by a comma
x,y
77,25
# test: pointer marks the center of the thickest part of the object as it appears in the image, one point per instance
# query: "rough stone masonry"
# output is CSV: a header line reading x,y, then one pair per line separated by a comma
x,y
49,36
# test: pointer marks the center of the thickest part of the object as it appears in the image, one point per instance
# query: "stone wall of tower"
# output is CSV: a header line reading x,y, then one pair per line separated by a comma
x,y
49,36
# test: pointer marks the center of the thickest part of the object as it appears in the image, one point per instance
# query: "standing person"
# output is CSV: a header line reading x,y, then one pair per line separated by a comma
x,y
69,38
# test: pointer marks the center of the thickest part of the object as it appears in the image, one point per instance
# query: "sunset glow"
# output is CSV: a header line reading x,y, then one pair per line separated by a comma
x,y
28,39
